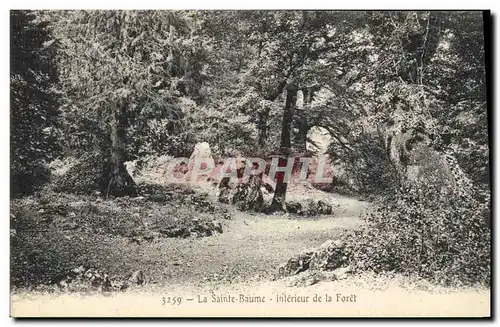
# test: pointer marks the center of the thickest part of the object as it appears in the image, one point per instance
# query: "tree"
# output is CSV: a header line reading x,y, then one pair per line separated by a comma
x,y
275,49
425,84
33,101
302,63
121,67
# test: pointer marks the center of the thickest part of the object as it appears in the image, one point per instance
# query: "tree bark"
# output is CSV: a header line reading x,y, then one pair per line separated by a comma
x,y
285,148
120,182
301,121
262,126
301,137
263,115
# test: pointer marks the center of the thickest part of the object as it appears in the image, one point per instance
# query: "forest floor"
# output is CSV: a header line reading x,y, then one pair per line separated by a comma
x,y
244,260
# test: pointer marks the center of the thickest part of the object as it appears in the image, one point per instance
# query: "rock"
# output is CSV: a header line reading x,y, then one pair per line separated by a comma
x,y
324,208
79,270
116,283
225,195
329,256
268,187
342,273
248,196
306,278
296,264
311,277
201,152
315,208
217,226
174,232
294,207
137,278
136,240
328,275
149,236
63,285
83,279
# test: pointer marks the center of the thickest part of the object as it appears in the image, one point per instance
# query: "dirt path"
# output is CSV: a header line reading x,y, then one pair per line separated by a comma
x,y
240,264
251,247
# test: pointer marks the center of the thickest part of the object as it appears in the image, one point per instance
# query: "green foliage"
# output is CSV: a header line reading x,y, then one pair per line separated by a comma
x,y
458,77
143,66
87,176
430,232
39,257
33,110
57,232
367,168
170,79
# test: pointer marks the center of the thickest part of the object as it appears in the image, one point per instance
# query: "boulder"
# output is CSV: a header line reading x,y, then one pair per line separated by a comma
x,y
294,207
330,256
296,264
324,208
311,277
216,225
201,151
85,279
320,207
306,278
225,195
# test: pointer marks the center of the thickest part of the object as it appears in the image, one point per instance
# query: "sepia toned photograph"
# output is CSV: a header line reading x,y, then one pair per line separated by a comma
x,y
250,163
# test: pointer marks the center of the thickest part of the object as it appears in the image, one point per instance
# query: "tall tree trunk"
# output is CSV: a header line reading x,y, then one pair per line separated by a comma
x,y
262,126
263,115
302,124
301,137
120,182
285,148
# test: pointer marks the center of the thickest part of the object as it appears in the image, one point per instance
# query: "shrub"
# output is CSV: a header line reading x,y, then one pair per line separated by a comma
x,y
33,102
42,256
431,232
86,176
27,178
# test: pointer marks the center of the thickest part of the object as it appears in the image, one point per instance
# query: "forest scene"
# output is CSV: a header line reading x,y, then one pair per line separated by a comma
x,y
122,120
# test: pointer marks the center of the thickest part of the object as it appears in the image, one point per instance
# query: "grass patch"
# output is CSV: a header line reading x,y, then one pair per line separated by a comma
x,y
52,233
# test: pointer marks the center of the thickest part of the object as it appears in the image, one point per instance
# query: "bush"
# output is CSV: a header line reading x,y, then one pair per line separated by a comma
x,y
40,257
28,178
85,177
33,102
429,232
